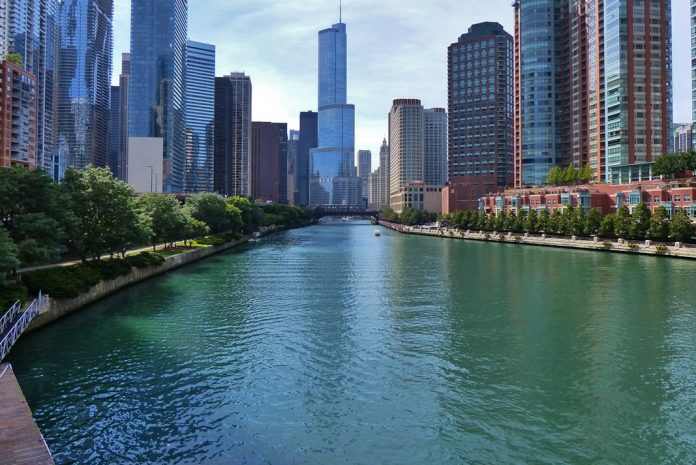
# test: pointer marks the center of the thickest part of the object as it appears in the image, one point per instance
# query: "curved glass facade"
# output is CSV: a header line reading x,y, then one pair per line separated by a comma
x,y
84,82
156,94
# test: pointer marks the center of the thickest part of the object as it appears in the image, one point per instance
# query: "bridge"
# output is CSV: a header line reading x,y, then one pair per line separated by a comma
x,y
345,212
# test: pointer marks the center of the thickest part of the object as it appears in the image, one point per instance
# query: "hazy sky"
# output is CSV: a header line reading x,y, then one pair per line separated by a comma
x,y
396,49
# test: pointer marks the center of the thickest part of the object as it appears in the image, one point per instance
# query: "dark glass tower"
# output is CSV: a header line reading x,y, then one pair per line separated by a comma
x,y
84,82
200,112
156,93
115,131
332,165
269,162
480,98
309,121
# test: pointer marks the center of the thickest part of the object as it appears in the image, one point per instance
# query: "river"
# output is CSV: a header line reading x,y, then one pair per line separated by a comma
x,y
328,345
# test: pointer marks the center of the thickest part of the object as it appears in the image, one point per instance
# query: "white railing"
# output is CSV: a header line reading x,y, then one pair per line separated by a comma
x,y
22,323
9,316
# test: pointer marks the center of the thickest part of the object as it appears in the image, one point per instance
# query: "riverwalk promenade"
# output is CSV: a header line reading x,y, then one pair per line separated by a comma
x,y
21,442
674,249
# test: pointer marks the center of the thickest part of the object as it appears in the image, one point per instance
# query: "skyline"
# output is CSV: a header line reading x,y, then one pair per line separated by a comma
x,y
384,63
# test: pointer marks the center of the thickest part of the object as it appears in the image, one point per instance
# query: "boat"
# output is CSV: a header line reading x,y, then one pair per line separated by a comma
x,y
377,233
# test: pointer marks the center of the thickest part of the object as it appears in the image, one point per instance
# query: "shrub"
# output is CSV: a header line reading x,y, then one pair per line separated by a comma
x,y
11,293
607,245
109,269
214,239
660,248
60,283
633,246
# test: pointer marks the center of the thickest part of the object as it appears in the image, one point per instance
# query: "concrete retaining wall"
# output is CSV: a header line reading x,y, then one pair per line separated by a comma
x,y
61,307
618,246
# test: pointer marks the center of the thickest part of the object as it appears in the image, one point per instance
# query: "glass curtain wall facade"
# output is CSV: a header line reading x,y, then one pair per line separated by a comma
x,y
156,96
84,82
333,181
269,155
293,149
114,130
4,26
435,146
124,88
200,115
309,127
232,135
32,34
693,62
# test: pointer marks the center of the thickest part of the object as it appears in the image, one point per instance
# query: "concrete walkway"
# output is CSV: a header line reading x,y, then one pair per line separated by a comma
x,y
21,442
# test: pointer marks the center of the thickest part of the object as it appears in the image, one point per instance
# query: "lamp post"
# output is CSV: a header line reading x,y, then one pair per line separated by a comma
x,y
152,170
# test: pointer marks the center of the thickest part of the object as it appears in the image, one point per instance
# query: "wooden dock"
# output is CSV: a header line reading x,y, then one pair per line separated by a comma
x,y
21,442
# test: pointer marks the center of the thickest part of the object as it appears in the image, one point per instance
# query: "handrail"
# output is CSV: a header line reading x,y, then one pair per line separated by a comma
x,y
22,323
5,370
9,316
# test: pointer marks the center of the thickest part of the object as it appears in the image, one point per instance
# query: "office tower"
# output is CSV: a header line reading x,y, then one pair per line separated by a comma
x,y
364,170
269,152
18,116
124,88
593,85
332,166
435,146
232,143
84,82
693,61
32,34
384,175
480,99
417,141
683,138
293,149
114,130
4,27
309,135
200,113
156,105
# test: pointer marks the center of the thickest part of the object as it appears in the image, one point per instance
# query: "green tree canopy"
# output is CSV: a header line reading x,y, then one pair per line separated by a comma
x,y
659,225
211,209
640,221
622,222
167,221
8,254
681,228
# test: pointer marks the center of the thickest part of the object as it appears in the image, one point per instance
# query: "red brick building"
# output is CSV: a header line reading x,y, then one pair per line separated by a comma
x,y
18,117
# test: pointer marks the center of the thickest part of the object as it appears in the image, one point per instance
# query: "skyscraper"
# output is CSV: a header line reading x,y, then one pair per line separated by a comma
x,y
4,27
200,114
18,102
293,149
32,34
417,155
84,82
309,135
364,171
332,166
693,61
115,130
480,99
593,85
232,143
378,181
124,92
269,154
156,96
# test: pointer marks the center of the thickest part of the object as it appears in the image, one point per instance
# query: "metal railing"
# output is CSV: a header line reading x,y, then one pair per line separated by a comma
x,y
22,323
9,316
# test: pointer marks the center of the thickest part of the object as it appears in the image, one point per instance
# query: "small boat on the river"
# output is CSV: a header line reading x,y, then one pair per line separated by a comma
x,y
377,233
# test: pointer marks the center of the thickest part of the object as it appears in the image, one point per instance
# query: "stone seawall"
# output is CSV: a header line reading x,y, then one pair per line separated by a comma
x,y
675,250
61,307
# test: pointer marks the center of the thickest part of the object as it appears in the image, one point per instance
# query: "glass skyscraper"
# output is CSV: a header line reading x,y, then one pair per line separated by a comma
x,y
309,122
332,166
200,114
32,34
156,94
84,82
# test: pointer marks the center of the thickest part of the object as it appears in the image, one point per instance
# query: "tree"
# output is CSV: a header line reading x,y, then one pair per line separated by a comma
x,y
14,58
388,214
622,222
593,221
576,222
211,209
252,216
166,217
569,175
640,221
544,220
194,229
105,210
659,225
681,228
554,176
554,223
606,228
520,221
8,253
565,220
586,173
531,222
501,221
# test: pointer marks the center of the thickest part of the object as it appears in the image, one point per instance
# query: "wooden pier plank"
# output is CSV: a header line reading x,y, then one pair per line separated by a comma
x,y
21,441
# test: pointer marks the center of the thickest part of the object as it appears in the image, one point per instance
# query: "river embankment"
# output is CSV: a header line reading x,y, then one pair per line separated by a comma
x,y
660,249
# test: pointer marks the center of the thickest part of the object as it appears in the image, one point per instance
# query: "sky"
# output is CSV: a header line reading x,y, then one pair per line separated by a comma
x,y
396,49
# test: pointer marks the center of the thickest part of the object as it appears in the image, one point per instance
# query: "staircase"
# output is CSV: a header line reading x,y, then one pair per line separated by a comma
x,y
15,321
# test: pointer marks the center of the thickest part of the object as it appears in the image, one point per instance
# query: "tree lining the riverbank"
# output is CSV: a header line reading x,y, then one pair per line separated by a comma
x,y
641,224
90,215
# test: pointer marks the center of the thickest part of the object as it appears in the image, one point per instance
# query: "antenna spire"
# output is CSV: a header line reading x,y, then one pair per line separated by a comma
x,y
340,11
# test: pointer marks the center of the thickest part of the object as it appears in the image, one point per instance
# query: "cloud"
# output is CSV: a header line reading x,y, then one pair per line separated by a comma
x,y
396,49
